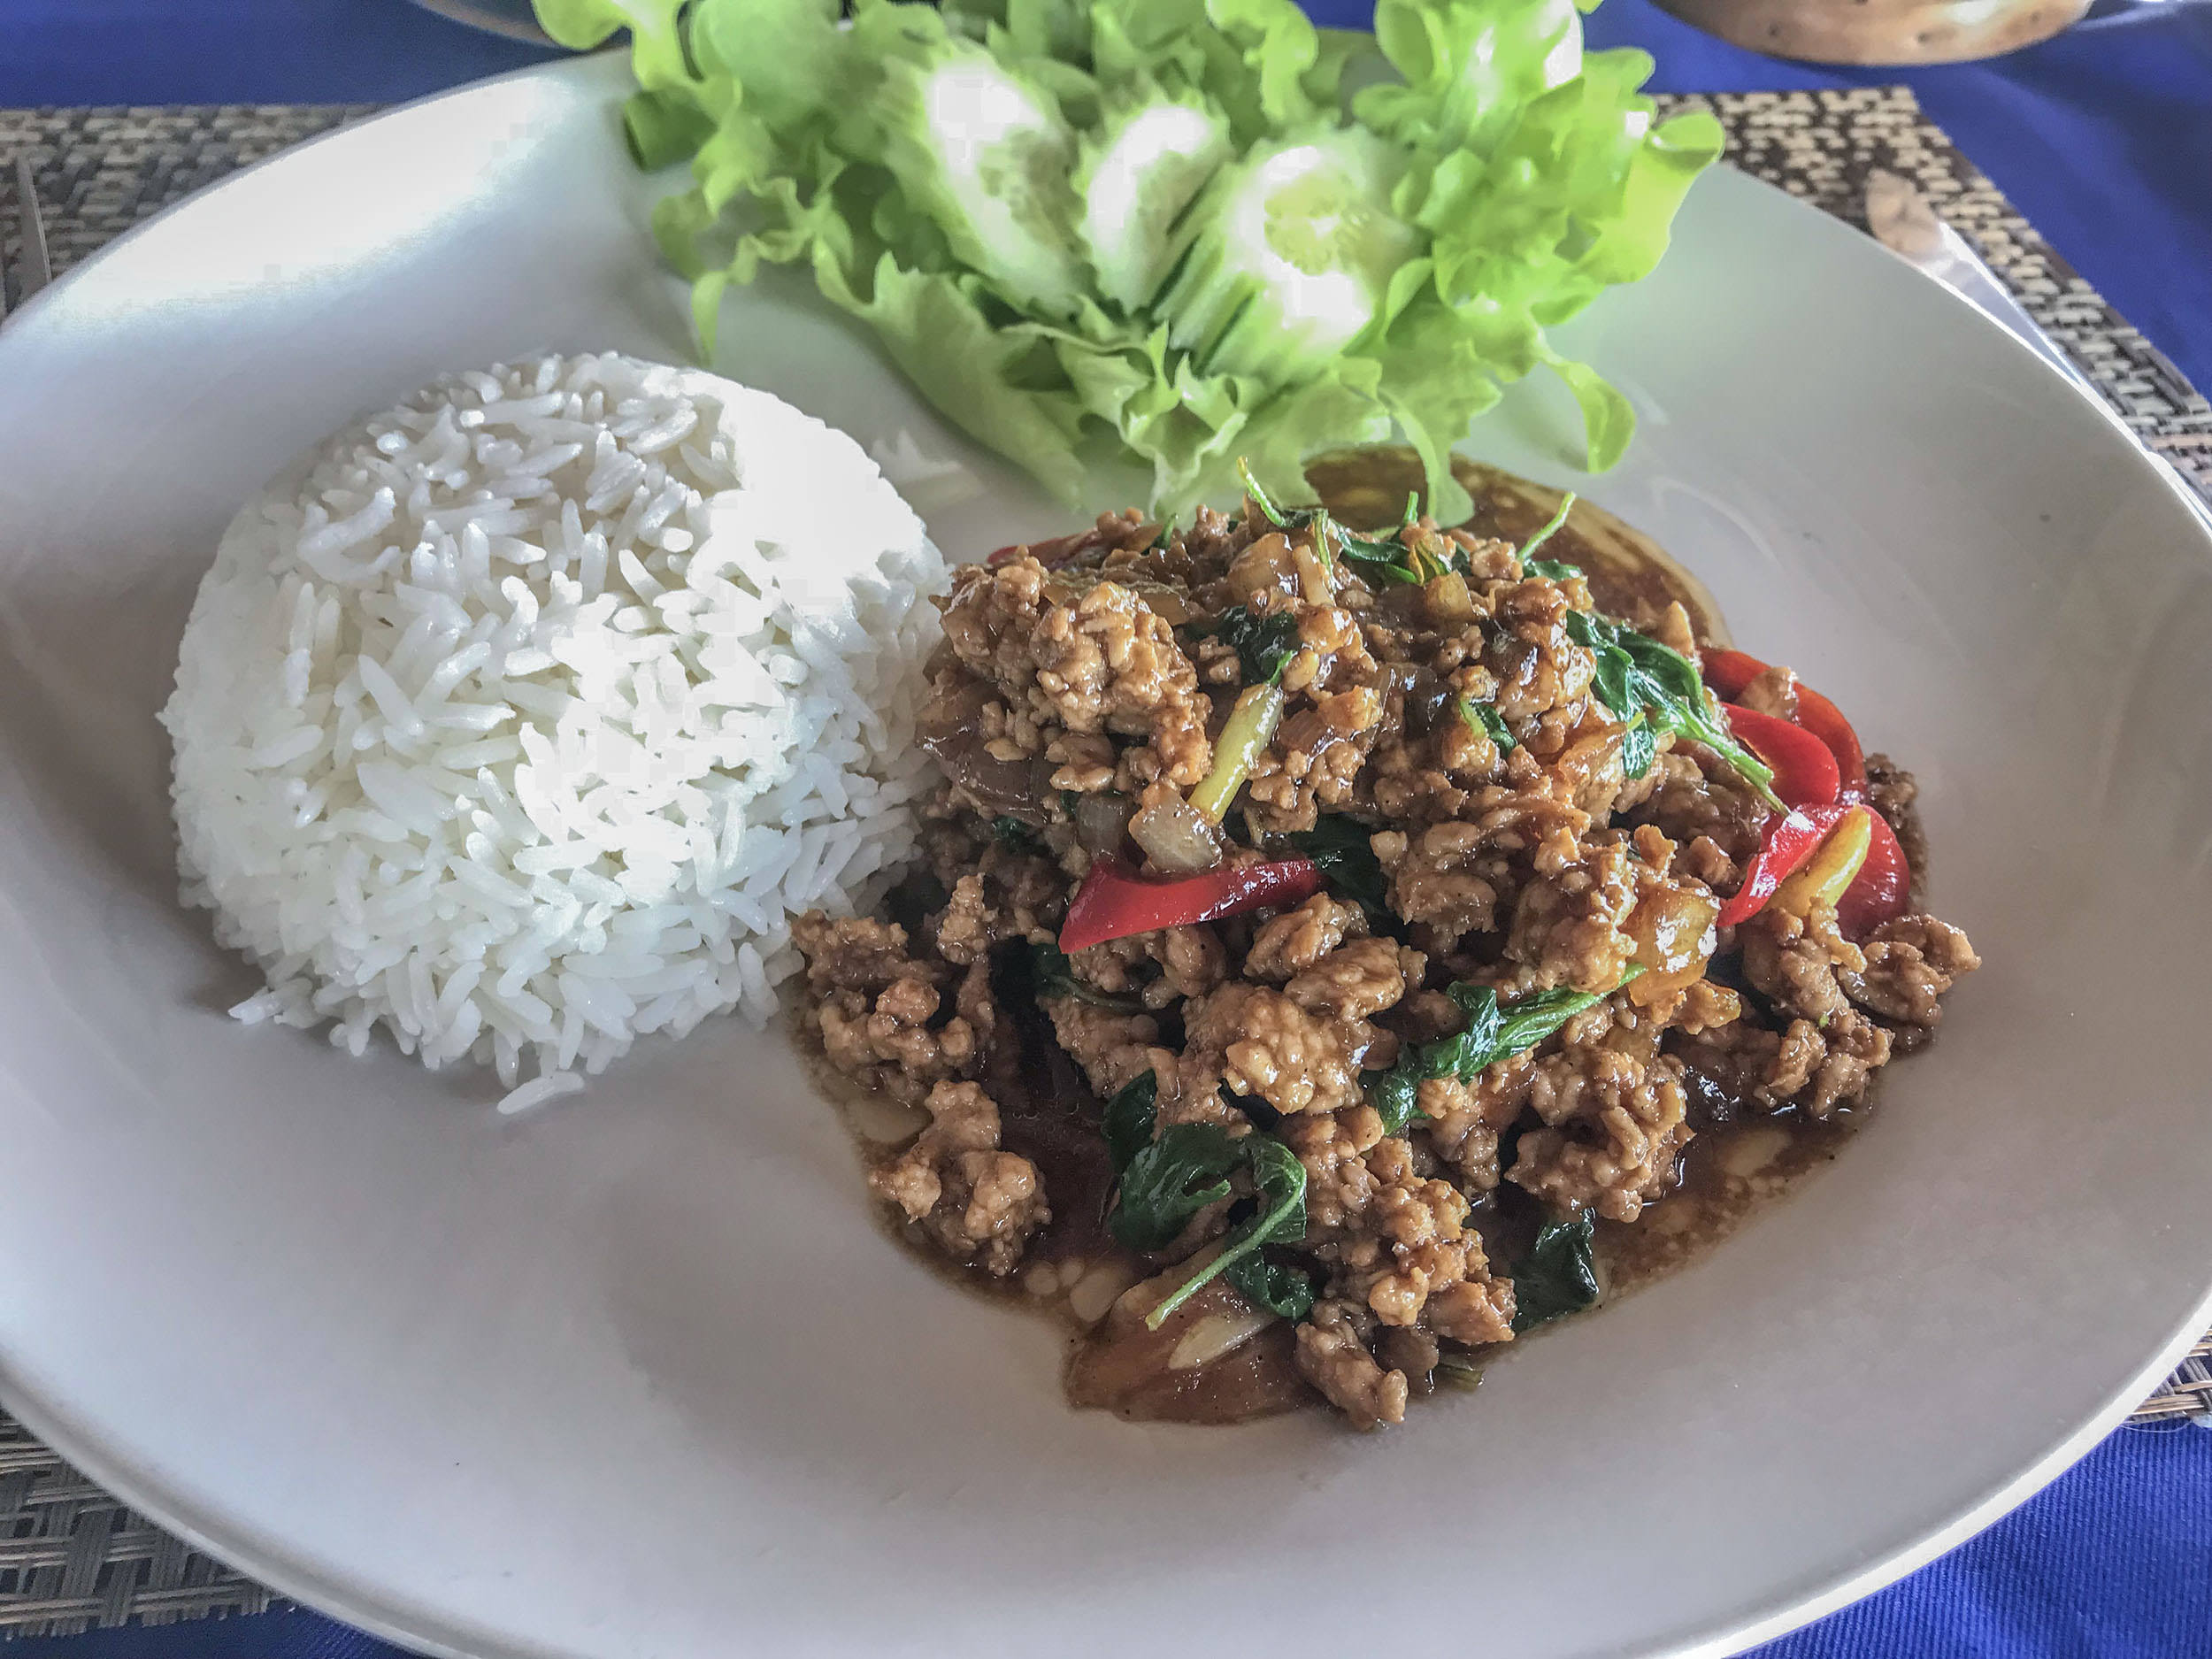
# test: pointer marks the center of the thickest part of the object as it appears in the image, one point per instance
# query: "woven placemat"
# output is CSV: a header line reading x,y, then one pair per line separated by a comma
x,y
71,1557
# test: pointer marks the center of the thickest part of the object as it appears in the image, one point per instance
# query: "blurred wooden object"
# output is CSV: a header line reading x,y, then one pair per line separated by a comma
x,y
1880,31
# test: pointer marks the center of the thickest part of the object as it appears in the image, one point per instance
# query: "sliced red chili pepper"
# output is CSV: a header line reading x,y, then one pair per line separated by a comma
x,y
1790,841
1826,722
1804,769
1728,672
1881,890
1114,901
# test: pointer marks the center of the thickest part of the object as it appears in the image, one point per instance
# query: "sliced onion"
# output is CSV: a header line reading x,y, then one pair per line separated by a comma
x,y
1178,839
1101,821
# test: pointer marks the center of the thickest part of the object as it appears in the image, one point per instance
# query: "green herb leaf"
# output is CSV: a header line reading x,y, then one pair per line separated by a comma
x,y
1640,747
1491,1034
1340,845
1265,502
1485,717
1559,1276
1262,644
1280,1219
1130,1116
1012,832
1287,1291
1554,570
1170,1179
1374,558
1052,974
1637,674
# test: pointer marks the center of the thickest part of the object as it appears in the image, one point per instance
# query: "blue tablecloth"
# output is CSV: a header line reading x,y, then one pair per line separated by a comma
x,y
2103,137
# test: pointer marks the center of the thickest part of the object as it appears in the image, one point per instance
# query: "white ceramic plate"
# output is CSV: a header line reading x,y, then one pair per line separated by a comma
x,y
638,1375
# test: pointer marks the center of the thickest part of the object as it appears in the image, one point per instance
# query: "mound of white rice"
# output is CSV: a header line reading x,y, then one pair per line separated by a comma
x,y
523,719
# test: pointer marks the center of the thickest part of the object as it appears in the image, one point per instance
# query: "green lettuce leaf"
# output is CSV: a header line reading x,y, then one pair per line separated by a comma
x,y
1526,177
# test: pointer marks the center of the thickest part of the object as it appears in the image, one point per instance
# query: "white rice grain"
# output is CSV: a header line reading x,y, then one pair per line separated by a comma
x,y
523,719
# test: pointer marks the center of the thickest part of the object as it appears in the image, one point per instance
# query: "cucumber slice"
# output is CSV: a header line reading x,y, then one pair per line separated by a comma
x,y
1294,257
987,154
1145,166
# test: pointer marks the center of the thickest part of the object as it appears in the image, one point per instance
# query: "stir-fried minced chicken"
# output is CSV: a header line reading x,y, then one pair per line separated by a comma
x,y
1507,842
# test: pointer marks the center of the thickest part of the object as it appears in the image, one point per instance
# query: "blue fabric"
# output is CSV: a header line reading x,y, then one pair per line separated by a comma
x,y
2103,137
2112,1561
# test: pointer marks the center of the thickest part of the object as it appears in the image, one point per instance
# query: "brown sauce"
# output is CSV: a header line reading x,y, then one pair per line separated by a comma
x,y
1629,573
1078,1273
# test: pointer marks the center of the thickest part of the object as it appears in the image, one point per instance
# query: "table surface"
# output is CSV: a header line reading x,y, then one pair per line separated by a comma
x,y
2102,137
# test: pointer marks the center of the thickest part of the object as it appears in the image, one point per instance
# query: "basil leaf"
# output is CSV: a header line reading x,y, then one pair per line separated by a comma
x,y
1491,1034
1374,558
1280,1219
1558,1276
1012,832
1640,747
1262,644
1566,506
1287,1291
1265,502
1171,1179
1339,846
1130,1116
1550,569
1052,974
1637,674
1486,716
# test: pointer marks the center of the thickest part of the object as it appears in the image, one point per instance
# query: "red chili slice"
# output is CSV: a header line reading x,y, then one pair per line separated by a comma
x,y
1114,901
1728,672
1804,767
1790,841
1881,890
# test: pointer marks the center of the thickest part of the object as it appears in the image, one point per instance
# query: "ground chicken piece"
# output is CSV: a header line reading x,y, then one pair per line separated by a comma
x,y
1856,1049
1105,664
1805,1065
1448,876
876,1009
1477,1310
1190,961
976,1201
1113,1048
1004,895
1615,1125
1292,943
1407,1348
1539,670
1461,1123
1333,1147
1910,962
1702,860
1257,1040
1357,979
1333,713
1407,1255
1691,802
1567,921
1793,960
1891,790
891,1044
852,953
1334,1360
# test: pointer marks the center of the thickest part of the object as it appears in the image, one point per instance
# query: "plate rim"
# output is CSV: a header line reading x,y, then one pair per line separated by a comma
x,y
386,1613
